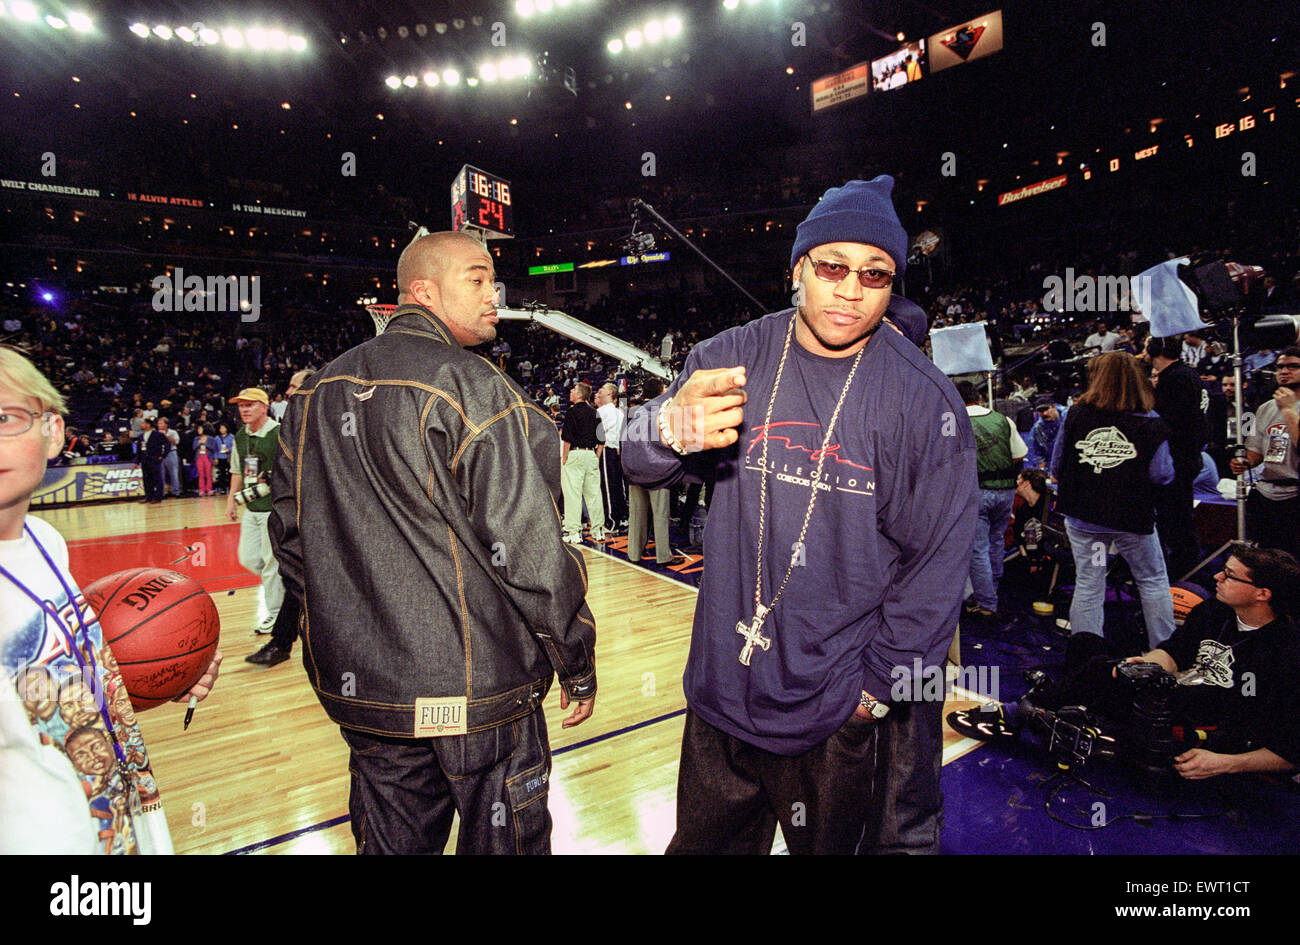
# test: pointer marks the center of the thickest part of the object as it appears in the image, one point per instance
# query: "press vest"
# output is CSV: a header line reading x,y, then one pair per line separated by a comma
x,y
263,447
1105,474
993,438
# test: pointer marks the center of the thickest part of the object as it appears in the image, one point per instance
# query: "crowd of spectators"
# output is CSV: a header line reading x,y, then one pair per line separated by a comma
x,y
120,362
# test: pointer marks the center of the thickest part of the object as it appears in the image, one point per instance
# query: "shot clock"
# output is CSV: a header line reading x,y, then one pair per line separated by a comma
x,y
481,201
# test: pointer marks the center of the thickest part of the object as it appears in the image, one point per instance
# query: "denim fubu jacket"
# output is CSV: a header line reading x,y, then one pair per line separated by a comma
x,y
415,515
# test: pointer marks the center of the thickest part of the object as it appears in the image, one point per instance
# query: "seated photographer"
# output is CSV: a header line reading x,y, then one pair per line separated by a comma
x,y
1037,540
1034,501
1231,674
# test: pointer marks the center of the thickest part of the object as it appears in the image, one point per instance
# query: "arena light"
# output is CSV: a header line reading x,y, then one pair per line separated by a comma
x,y
654,31
393,82
139,29
185,34
431,79
488,72
255,36
673,26
232,38
277,39
634,39
451,77
80,22
55,22
208,36
162,31
525,8
518,67
298,43
615,46
410,82
730,4
24,10
544,6
472,82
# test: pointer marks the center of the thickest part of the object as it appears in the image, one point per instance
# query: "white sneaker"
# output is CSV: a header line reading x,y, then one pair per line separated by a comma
x,y
265,627
573,539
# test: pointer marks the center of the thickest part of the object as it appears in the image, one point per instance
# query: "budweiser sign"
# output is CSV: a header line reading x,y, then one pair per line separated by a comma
x,y
1030,190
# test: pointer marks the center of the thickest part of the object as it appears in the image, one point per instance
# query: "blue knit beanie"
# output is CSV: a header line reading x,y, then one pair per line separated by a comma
x,y
859,212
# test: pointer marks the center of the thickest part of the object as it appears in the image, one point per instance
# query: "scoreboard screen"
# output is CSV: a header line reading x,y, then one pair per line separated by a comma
x,y
481,201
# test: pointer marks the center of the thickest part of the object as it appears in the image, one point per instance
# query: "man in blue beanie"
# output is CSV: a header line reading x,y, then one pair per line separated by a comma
x,y
835,551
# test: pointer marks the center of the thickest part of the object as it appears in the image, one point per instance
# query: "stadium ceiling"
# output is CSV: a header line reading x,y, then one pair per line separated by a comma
x,y
728,84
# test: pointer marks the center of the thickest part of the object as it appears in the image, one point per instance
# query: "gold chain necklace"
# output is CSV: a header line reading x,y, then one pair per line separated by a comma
x,y
752,631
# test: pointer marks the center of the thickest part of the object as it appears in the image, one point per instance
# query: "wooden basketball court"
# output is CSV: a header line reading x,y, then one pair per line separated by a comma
x,y
262,769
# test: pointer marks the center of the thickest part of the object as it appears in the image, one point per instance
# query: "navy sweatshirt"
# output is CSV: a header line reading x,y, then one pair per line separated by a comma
x,y
887,551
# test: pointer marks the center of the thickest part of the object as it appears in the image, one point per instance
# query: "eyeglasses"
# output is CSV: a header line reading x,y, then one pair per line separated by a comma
x,y
870,277
1229,576
15,421
1288,365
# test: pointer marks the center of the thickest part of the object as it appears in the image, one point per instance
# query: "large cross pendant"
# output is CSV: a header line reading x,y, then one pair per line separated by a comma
x,y
753,635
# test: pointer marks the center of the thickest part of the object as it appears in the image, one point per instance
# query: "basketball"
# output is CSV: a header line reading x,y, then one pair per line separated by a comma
x,y
163,629
1186,596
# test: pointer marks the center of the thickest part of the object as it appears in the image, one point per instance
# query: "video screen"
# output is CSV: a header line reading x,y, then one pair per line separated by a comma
x,y
898,68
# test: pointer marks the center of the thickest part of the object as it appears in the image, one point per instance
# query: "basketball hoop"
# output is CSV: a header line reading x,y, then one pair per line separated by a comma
x,y
381,314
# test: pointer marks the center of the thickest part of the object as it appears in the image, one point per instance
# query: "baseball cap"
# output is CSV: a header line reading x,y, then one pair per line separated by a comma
x,y
1044,400
251,395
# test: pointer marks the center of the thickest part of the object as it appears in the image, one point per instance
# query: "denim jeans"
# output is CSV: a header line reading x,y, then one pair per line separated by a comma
x,y
731,794
1145,560
906,813
171,470
405,791
987,555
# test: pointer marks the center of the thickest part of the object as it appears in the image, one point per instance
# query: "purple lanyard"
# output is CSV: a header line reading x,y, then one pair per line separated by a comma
x,y
70,638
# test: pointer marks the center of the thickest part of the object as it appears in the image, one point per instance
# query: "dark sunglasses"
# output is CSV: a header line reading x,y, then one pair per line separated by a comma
x,y
870,277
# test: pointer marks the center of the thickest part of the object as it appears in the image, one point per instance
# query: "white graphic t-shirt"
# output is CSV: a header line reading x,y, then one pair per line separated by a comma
x,y
61,787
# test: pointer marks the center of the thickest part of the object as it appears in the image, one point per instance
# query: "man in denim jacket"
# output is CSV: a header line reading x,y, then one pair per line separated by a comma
x,y
415,517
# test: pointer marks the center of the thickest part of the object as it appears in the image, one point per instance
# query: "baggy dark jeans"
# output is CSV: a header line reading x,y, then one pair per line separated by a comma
x,y
405,791
731,795
906,814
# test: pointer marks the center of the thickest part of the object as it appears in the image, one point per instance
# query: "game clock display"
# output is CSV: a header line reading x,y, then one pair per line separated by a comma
x,y
481,201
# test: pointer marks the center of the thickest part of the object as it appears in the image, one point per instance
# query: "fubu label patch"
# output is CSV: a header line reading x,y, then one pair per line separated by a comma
x,y
437,718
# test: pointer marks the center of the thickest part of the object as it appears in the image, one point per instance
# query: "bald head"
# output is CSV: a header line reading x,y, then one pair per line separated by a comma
x,y
297,381
451,275
427,257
